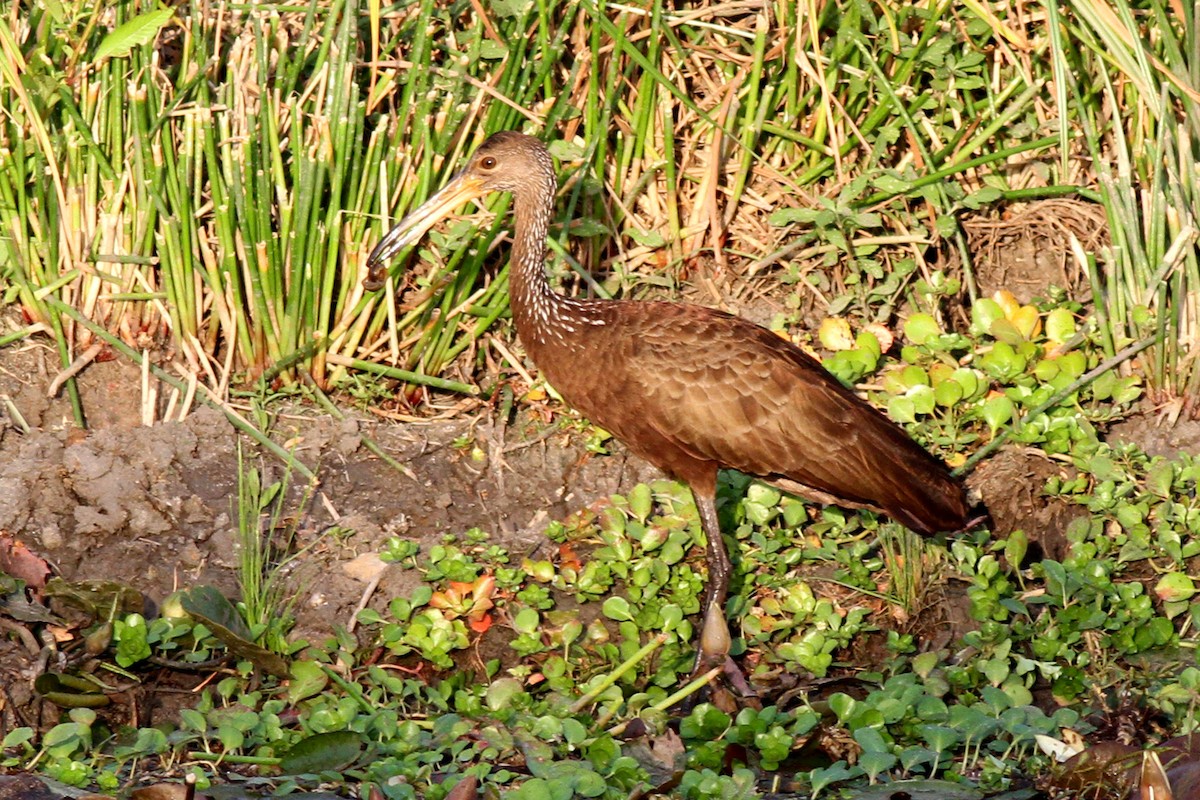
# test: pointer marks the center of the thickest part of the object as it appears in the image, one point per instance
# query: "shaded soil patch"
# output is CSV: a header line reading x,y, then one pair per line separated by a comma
x,y
1026,249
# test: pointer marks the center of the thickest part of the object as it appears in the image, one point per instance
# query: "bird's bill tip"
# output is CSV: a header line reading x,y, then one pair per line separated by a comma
x,y
460,190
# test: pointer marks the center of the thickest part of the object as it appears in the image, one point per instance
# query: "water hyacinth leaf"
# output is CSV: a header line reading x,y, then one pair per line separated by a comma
x,y
920,328
1175,587
923,399
983,314
902,409
526,620
1060,325
997,412
617,608
947,394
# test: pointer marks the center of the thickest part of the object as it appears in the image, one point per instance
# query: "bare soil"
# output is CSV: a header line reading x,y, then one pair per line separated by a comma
x,y
155,507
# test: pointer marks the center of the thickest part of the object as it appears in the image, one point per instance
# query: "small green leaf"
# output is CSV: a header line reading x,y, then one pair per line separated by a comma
x,y
1060,325
526,620
946,226
323,752
970,382
1005,331
920,328
641,501
902,409
138,31
922,398
984,313
948,393
997,412
491,50
891,184
586,226
17,736
502,691
652,239
1015,548
843,705
1174,587
924,663
307,679
617,608
985,196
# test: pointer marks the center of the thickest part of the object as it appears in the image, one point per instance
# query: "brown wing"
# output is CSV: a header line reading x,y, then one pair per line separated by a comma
x,y
731,392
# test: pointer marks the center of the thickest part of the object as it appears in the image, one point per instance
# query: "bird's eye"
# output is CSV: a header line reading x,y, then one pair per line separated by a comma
x,y
488,163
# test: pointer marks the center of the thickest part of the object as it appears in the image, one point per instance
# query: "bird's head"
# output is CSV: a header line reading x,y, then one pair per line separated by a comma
x,y
507,162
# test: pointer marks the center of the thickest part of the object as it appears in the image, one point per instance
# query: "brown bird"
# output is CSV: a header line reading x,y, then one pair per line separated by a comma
x,y
688,388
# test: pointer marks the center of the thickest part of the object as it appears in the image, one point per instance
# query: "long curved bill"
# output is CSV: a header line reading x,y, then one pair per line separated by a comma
x,y
461,189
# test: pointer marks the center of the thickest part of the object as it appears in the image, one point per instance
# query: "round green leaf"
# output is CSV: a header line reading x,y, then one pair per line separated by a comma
x,y
997,411
617,608
920,328
1060,325
1174,587
948,393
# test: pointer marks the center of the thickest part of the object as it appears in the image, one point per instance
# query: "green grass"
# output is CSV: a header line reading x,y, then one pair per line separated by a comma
x,y
217,187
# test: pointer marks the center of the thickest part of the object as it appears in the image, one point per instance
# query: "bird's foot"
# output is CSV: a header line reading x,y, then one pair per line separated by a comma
x,y
727,685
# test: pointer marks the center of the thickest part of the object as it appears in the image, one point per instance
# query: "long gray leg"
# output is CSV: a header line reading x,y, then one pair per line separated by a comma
x,y
713,648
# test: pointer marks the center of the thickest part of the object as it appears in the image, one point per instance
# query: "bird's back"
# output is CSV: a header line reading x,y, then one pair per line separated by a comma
x,y
691,388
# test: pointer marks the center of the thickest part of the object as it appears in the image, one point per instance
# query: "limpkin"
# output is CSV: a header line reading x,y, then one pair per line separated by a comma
x,y
691,389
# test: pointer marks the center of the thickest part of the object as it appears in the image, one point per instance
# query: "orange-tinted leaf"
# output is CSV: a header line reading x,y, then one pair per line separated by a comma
x,y
568,558
484,588
20,562
1007,301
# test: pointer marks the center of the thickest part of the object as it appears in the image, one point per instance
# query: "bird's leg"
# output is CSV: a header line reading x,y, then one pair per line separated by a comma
x,y
713,648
